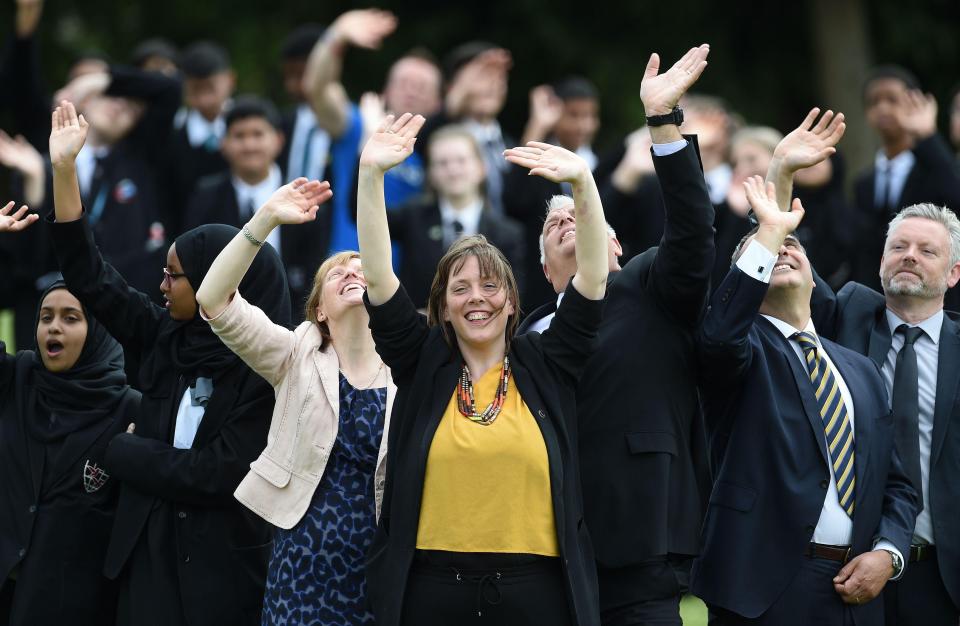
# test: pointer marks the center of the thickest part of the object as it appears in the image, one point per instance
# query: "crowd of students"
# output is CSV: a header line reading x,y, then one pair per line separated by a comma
x,y
398,371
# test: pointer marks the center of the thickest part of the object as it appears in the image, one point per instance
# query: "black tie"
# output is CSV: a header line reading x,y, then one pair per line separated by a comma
x,y
906,405
457,228
885,202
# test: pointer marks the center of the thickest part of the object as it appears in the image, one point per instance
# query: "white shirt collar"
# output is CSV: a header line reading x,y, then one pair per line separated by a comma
x,y
485,133
931,326
789,331
259,193
898,164
468,216
199,129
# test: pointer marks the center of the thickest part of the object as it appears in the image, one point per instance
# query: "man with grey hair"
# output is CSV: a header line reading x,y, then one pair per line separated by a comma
x,y
642,454
916,345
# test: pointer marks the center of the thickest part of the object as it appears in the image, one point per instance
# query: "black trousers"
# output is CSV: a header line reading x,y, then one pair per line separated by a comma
x,y
809,600
646,594
458,589
919,597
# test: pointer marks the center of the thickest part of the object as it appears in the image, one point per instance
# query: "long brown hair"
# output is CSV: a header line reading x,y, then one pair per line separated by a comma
x,y
316,293
492,264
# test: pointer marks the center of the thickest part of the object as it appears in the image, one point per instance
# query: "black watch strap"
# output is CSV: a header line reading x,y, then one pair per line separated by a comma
x,y
674,117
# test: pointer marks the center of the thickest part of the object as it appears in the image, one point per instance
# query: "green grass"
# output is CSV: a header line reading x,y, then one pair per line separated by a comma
x,y
693,611
6,330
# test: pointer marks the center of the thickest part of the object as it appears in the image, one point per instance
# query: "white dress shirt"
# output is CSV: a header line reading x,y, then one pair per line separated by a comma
x,y
86,165
468,216
200,130
544,322
927,348
309,146
188,422
834,527
897,168
252,197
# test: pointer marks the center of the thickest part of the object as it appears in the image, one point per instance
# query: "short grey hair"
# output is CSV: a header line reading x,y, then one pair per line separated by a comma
x,y
940,214
555,203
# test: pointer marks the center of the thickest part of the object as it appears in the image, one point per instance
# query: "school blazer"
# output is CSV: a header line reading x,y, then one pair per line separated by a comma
x,y
305,379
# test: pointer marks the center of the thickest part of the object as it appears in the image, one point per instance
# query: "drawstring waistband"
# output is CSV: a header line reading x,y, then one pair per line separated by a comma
x,y
487,581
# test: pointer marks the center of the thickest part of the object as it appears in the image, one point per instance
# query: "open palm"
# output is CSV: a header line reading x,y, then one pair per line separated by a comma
x,y
68,134
18,221
763,201
661,92
392,142
811,143
554,163
297,202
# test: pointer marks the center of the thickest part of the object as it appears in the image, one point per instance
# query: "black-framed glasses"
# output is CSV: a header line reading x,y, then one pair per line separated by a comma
x,y
169,277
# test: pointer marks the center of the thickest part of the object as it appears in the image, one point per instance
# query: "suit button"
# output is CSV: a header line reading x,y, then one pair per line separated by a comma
x,y
32,509
23,552
182,515
541,414
824,484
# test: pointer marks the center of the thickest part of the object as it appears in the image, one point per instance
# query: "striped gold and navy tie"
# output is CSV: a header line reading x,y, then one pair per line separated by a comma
x,y
836,422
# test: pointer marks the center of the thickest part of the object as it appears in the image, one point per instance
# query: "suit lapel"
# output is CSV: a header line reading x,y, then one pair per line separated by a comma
x,y
880,339
328,369
802,380
948,378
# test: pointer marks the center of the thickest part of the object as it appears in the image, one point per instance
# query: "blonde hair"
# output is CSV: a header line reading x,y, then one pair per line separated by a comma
x,y
492,264
315,299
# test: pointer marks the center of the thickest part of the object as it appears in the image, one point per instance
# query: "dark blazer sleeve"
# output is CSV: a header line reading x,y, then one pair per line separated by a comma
x,y
901,505
824,307
572,335
7,370
724,345
399,332
129,315
680,277
28,94
199,474
936,160
162,96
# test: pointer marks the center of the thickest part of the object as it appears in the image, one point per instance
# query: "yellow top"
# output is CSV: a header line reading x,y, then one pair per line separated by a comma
x,y
487,488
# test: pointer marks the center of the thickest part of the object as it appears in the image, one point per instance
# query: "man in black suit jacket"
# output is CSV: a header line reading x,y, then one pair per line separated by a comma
x,y
251,145
642,457
921,260
914,164
808,492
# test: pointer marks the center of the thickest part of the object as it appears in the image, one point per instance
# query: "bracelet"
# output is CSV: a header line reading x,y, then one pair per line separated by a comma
x,y
246,233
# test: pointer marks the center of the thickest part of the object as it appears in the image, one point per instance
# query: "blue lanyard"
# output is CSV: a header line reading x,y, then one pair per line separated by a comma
x,y
98,204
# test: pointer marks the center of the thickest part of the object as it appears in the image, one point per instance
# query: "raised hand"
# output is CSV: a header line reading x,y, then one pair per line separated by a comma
x,y
28,17
636,163
554,163
810,143
364,28
475,76
18,221
67,136
83,87
763,201
19,155
661,92
545,111
297,202
918,114
392,143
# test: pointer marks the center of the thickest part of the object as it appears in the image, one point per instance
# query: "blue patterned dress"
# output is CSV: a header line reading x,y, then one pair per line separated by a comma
x,y
316,573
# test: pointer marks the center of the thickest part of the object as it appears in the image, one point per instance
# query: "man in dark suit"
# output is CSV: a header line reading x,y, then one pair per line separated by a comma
x,y
916,345
913,165
642,457
251,145
811,512
424,230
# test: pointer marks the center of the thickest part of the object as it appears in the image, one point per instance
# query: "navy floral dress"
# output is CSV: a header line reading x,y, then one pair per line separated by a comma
x,y
316,572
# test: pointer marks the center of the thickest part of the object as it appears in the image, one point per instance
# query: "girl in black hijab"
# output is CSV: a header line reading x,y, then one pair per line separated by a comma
x,y
185,551
60,404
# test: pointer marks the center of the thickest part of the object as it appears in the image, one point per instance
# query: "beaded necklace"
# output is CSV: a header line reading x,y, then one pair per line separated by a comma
x,y
465,400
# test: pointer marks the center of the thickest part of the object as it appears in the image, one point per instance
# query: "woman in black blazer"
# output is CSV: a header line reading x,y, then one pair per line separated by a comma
x,y
59,406
474,525
184,549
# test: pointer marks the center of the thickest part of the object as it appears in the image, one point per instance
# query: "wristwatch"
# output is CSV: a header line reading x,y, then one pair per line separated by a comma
x,y
896,561
674,117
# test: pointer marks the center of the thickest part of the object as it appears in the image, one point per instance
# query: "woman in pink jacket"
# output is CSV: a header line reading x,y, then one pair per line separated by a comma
x,y
320,478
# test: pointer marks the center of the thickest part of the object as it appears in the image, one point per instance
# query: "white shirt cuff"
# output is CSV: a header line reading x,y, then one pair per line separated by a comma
x,y
757,262
666,149
883,544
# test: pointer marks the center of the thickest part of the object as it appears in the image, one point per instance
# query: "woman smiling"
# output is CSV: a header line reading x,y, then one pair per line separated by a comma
x,y
481,514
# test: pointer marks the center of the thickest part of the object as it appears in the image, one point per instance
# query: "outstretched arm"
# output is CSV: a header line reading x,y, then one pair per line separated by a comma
x,y
364,28
808,144
294,203
559,165
67,136
19,155
389,146
18,220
